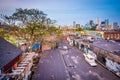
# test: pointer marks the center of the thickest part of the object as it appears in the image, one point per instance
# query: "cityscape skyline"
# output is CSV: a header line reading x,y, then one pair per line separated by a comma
x,y
65,12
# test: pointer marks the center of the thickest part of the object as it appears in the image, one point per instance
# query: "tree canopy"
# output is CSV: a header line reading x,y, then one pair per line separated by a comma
x,y
92,28
79,29
29,23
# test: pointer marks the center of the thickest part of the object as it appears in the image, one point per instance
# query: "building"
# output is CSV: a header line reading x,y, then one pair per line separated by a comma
x,y
110,27
69,31
95,34
9,56
74,24
14,64
91,23
97,22
108,54
111,35
77,25
115,26
103,24
106,23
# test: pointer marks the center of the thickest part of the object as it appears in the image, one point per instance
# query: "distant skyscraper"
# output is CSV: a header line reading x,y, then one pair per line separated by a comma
x,y
74,24
97,21
103,24
115,25
91,23
106,22
77,25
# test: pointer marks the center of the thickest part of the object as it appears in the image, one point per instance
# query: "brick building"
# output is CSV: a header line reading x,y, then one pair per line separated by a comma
x,y
108,53
112,35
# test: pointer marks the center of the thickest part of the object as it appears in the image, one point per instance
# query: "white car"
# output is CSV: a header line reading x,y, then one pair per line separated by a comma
x,y
90,59
65,47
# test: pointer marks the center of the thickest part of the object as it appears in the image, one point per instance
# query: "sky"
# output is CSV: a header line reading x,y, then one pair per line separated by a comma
x,y
67,11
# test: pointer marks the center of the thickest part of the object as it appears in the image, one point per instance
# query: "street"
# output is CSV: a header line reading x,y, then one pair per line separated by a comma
x,y
60,64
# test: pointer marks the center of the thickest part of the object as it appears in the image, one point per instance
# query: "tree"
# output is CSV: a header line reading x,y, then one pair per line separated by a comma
x,y
29,15
92,28
79,29
54,31
32,23
8,20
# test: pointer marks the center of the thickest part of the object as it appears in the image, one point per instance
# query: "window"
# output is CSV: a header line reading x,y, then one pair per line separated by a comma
x,y
115,36
102,51
118,36
106,53
96,50
108,36
0,71
111,36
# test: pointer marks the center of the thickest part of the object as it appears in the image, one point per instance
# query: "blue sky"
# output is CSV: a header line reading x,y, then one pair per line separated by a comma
x,y
67,11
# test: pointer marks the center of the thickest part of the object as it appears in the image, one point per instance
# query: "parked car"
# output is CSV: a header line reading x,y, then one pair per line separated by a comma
x,y
90,59
65,47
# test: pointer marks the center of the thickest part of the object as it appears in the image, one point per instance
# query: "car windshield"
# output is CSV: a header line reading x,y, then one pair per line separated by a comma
x,y
91,58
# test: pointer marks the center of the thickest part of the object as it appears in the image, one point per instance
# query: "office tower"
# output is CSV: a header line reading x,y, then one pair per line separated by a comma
x,y
77,25
106,22
115,25
97,21
91,23
74,24
103,24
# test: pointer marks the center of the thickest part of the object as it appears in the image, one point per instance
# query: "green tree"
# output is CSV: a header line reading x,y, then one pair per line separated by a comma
x,y
79,29
32,23
92,28
54,31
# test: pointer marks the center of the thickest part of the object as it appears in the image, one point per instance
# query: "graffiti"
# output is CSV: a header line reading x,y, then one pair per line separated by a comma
x,y
113,66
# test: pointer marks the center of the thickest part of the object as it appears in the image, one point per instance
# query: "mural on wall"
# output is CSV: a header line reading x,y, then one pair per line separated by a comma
x,y
113,66
99,35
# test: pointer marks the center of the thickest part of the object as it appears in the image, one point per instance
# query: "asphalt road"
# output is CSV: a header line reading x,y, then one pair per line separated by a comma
x,y
59,64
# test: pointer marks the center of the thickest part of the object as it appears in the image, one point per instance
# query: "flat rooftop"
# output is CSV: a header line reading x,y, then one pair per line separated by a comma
x,y
111,46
